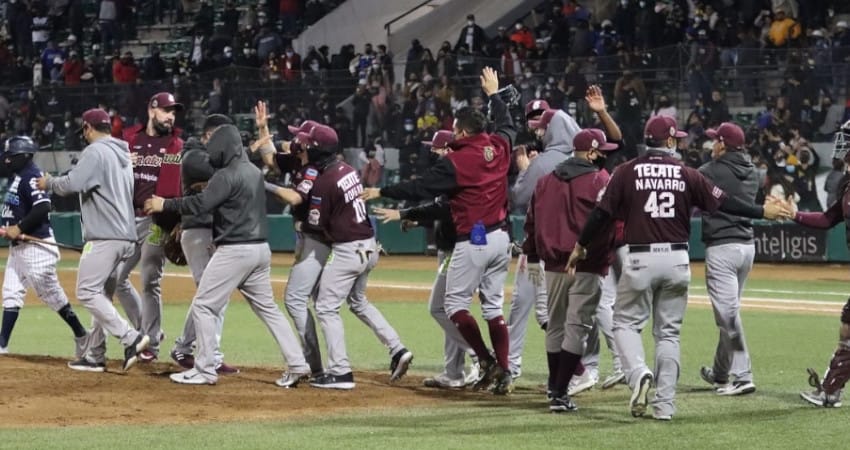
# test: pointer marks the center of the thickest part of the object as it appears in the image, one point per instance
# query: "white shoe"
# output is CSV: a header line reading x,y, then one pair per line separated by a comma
x,y
191,376
584,382
640,394
4,350
662,417
617,377
442,381
473,375
820,398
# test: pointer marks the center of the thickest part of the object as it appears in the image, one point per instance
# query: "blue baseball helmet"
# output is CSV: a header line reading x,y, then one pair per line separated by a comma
x,y
19,145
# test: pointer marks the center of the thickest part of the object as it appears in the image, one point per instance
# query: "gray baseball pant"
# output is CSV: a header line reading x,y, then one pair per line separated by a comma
x,y
573,300
527,293
479,266
726,270
310,257
246,267
98,261
198,246
605,311
344,279
455,347
653,284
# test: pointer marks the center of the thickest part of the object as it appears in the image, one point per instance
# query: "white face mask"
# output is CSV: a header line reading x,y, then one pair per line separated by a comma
x,y
408,127
518,27
528,74
470,23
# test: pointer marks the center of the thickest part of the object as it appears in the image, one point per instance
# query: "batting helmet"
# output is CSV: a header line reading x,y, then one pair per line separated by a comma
x,y
841,145
20,144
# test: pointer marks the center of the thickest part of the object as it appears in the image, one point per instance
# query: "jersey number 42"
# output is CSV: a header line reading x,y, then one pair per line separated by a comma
x,y
660,205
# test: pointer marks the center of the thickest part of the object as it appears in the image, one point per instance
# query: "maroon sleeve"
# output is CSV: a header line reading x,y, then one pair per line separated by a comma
x,y
822,220
308,178
611,196
704,194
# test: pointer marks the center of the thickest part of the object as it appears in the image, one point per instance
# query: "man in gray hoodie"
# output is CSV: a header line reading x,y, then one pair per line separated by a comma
x,y
236,197
103,178
729,253
556,129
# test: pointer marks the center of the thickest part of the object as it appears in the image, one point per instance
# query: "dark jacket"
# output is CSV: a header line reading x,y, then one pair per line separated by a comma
x,y
235,194
436,214
733,172
195,168
559,208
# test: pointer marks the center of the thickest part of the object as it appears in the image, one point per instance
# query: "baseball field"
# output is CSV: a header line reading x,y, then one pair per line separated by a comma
x,y
790,314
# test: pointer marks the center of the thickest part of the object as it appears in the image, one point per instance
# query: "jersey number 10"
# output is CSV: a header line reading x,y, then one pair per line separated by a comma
x,y
359,210
660,205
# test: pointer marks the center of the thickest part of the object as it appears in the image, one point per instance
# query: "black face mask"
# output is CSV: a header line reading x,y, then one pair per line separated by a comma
x,y
319,157
16,162
599,162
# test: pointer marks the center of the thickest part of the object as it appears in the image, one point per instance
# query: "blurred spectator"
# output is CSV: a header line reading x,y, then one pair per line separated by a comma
x,y
106,21
20,27
371,172
216,99
125,70
49,57
181,66
267,41
289,11
154,67
781,185
511,62
429,65
582,42
72,70
630,100
471,35
414,59
230,17
40,27
117,123
625,21
360,103
832,184
664,107
523,36
270,70
718,111
291,65
783,29
807,169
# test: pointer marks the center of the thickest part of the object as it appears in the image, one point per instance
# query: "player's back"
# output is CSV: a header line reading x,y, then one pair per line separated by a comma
x,y
335,205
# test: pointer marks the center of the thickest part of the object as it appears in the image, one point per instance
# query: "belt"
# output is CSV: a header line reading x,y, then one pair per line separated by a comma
x,y
499,226
657,248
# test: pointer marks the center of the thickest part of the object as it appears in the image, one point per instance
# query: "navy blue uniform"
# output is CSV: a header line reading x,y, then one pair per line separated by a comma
x,y
22,195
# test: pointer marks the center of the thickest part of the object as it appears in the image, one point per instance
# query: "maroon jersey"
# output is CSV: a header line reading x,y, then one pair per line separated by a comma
x,y
147,153
559,207
302,181
654,195
335,205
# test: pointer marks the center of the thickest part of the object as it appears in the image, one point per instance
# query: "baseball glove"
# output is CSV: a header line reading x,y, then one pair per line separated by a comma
x,y
172,248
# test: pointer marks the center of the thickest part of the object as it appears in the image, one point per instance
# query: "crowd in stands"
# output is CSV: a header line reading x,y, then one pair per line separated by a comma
x,y
683,58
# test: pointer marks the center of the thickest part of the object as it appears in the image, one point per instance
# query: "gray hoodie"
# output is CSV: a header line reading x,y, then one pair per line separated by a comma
x,y
103,177
195,168
557,147
734,173
235,195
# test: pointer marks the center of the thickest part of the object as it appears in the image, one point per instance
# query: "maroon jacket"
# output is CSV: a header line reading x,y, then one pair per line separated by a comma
x,y
654,195
335,205
557,212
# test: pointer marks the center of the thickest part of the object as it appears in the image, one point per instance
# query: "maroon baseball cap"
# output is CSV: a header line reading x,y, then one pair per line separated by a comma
x,y
543,121
165,100
592,139
95,116
302,141
441,139
659,128
730,134
306,126
535,106
324,136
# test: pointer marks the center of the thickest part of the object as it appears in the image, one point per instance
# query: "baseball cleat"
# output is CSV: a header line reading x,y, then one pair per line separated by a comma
x,y
190,376
4,350
474,373
400,363
225,369
618,377
707,374
822,399
490,370
504,384
291,379
562,403
640,393
331,381
132,351
737,388
84,365
442,381
662,417
584,382
82,345
147,356
184,360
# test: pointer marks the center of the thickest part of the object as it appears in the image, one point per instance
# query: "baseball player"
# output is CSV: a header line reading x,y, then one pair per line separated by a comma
x,y
337,211
311,249
439,215
196,239
236,197
729,253
30,265
103,178
654,195
474,178
155,149
828,393
559,207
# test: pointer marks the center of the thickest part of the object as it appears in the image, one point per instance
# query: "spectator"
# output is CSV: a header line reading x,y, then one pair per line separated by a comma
x,y
289,12
290,65
40,28
230,17
511,62
832,184
429,65
360,113
154,67
664,107
20,28
523,36
472,36
718,111
267,41
125,70
446,63
270,71
72,70
117,123
582,42
630,99
216,100
807,169
414,59
701,66
371,172
181,67
106,20
48,57
783,30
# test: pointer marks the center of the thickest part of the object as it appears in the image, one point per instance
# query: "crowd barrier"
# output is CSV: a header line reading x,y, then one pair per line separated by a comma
x,y
775,242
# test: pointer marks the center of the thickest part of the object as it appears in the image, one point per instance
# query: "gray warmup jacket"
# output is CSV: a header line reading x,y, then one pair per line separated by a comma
x,y
195,168
735,174
235,195
103,177
557,147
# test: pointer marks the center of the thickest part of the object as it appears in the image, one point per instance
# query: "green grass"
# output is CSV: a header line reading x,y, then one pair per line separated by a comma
x,y
782,346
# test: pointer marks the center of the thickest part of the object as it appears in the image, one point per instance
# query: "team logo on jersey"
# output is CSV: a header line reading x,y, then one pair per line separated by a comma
x,y
717,192
313,217
315,200
311,173
305,186
489,153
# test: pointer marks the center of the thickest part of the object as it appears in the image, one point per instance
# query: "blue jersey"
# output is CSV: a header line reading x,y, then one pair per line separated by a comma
x,y
21,195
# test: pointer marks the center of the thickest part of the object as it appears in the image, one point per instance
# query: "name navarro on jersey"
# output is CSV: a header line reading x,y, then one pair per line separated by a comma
x,y
350,184
652,177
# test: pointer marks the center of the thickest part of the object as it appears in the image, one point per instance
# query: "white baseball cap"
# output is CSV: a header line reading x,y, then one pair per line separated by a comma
x,y
841,24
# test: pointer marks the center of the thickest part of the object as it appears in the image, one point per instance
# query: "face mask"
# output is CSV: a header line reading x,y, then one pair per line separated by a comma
x,y
470,23
246,51
599,162
408,127
642,4
626,3
16,163
790,169
528,74
518,27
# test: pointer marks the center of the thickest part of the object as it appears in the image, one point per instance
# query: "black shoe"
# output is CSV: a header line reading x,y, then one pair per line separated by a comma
x,y
131,352
490,370
400,363
562,403
84,365
330,381
503,384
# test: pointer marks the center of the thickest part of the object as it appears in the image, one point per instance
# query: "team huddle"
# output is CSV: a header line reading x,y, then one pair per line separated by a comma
x,y
604,252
